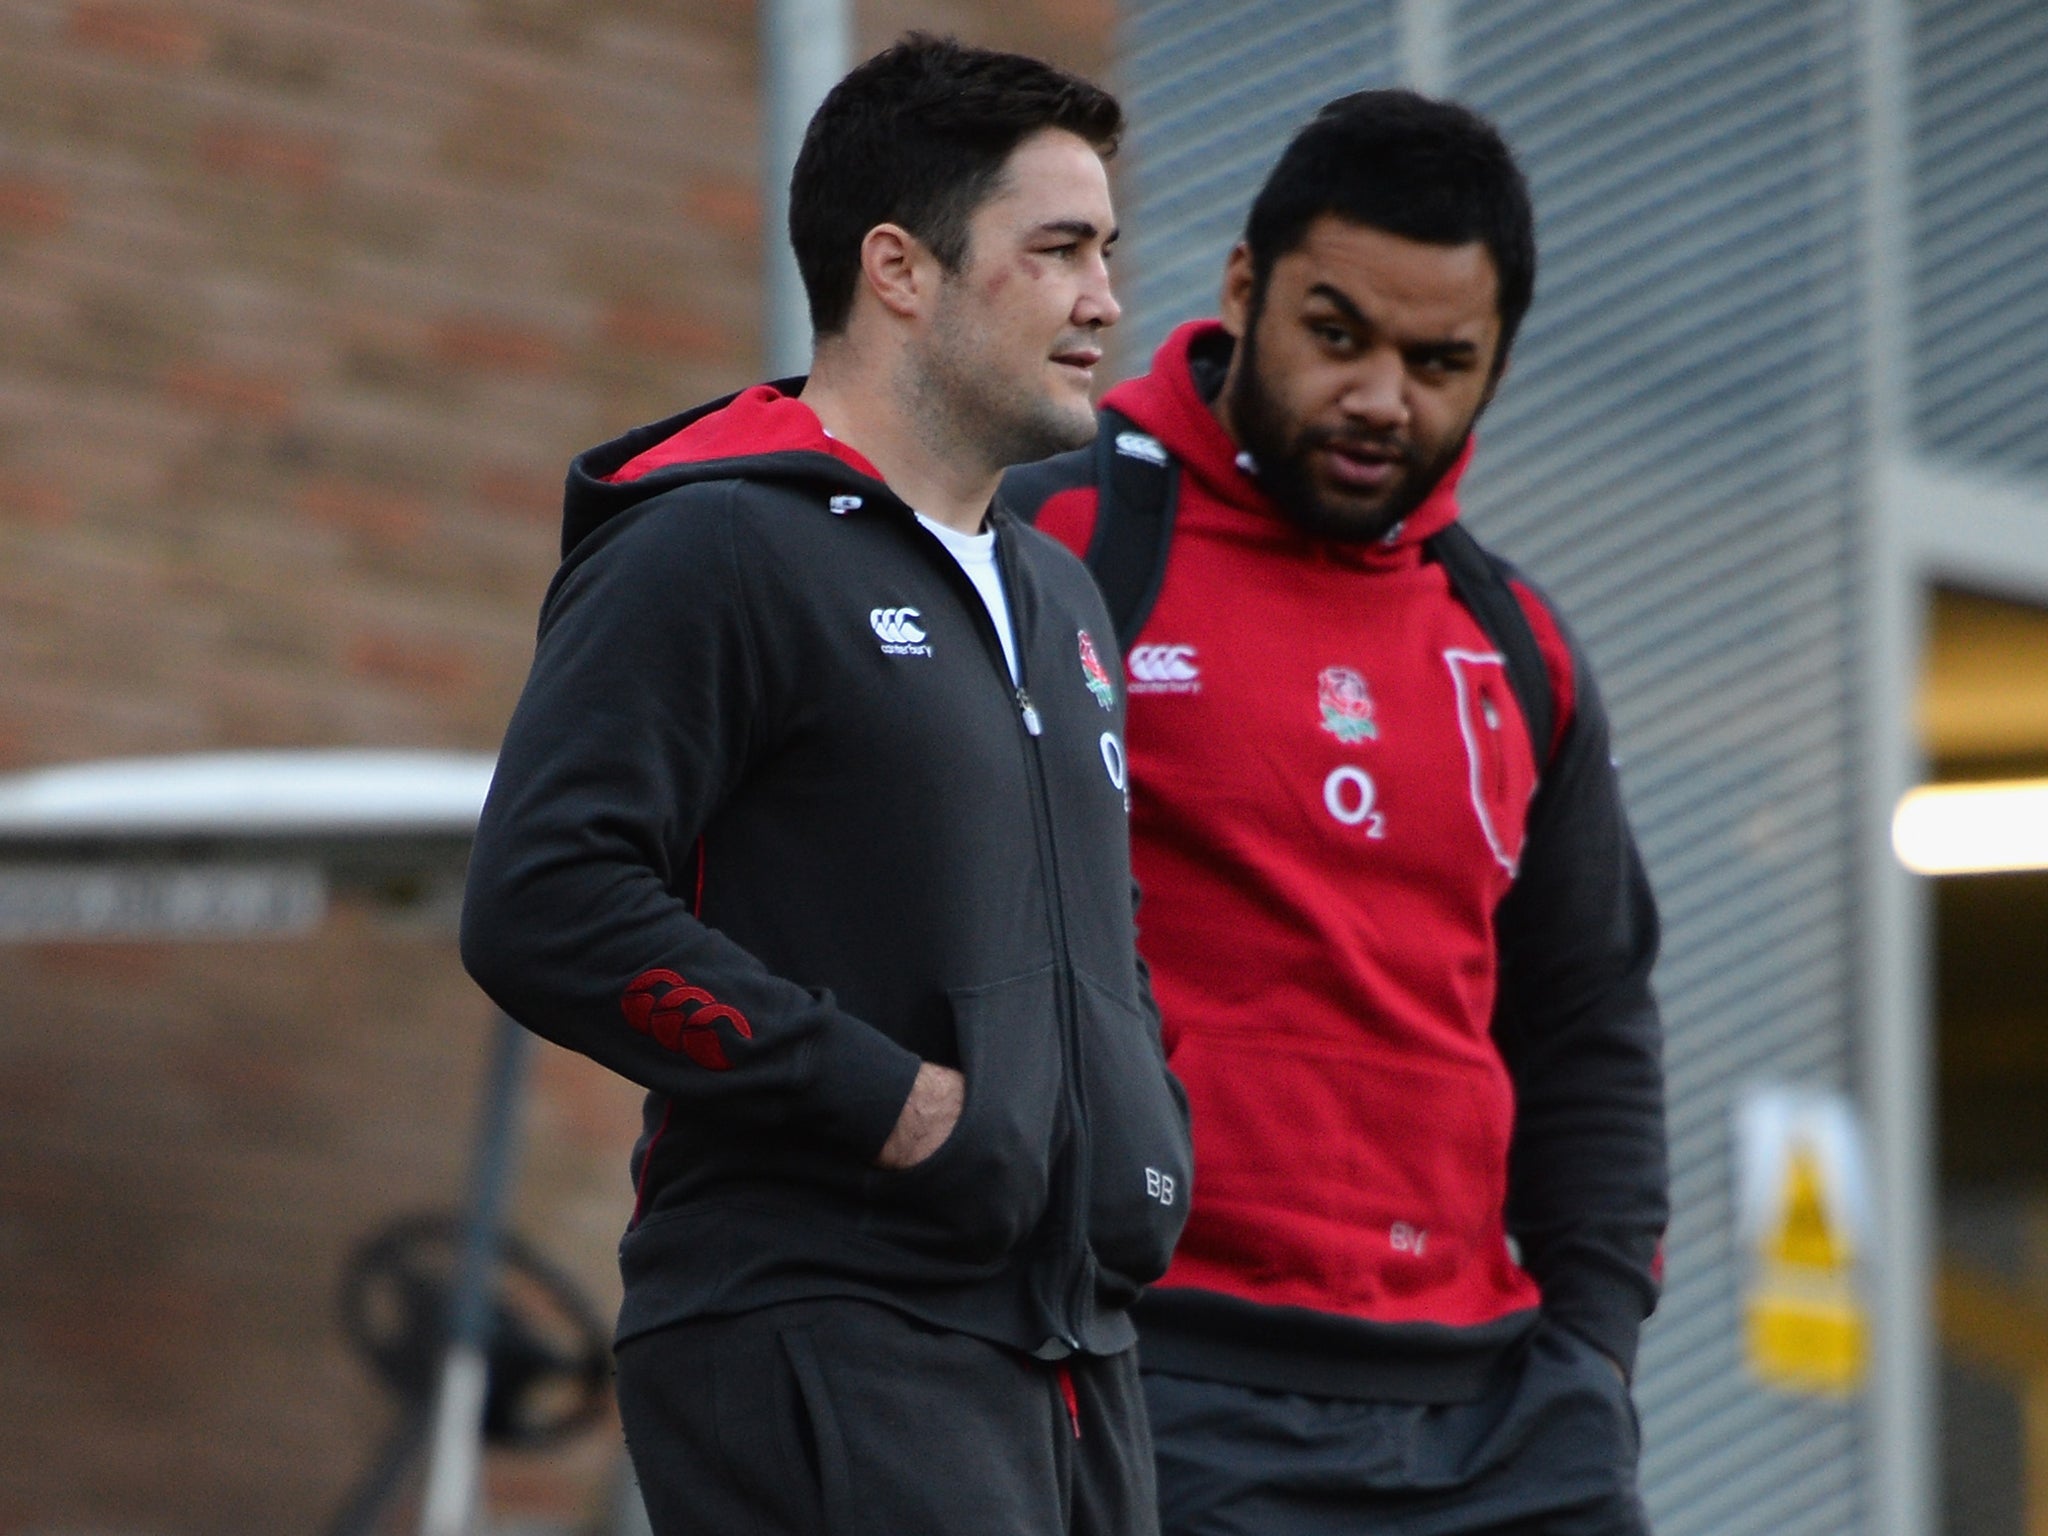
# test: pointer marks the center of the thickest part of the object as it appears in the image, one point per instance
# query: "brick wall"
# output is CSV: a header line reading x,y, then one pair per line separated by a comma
x,y
303,308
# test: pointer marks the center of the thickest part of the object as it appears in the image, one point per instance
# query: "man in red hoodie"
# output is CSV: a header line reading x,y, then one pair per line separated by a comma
x,y
1402,950
806,822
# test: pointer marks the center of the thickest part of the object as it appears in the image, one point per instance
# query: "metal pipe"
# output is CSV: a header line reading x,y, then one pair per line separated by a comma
x,y
449,1506
1893,966
1425,30
806,45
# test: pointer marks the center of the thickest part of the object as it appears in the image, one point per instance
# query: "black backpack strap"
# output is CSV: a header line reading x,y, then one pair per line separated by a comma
x,y
1027,488
1481,583
1137,484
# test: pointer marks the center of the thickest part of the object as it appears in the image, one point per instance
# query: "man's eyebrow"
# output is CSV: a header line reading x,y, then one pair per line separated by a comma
x,y
1449,348
1079,229
1342,300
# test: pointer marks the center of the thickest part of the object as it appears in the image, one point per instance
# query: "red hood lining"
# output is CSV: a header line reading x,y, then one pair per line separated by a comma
x,y
756,421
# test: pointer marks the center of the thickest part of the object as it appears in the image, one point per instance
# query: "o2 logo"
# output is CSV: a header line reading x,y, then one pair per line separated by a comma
x,y
1113,760
1116,767
1348,795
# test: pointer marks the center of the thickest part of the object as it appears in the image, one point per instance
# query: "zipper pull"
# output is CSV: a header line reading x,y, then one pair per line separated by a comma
x,y
1032,724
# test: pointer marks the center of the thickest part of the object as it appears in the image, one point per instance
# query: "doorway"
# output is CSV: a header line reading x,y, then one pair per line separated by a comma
x,y
1983,713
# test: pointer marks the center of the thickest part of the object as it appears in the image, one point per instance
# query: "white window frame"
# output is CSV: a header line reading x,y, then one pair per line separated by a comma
x,y
1931,520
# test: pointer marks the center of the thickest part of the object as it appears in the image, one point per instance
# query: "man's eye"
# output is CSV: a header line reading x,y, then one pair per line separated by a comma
x,y
1330,335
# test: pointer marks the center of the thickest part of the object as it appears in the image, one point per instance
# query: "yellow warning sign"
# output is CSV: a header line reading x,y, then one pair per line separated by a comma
x,y
1805,1325
1805,1237
1812,1344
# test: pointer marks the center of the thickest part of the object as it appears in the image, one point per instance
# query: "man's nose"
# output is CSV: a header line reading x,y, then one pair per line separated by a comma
x,y
1096,306
1376,394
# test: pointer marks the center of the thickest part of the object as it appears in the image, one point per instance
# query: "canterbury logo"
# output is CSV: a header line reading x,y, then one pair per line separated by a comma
x,y
896,626
1163,669
1137,445
680,1017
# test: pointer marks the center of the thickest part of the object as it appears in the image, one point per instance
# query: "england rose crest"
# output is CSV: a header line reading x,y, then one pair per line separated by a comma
x,y
1346,706
1094,675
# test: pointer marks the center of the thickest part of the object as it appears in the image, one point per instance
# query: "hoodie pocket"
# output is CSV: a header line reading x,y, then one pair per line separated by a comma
x,y
983,1191
1349,1179
1141,1166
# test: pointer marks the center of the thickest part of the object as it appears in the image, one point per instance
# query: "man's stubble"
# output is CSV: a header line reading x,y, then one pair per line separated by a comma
x,y
965,407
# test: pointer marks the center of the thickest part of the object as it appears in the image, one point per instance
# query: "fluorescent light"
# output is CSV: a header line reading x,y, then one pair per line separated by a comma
x,y
1973,829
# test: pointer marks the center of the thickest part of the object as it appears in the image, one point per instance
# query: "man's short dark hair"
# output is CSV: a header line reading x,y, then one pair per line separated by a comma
x,y
1409,165
918,136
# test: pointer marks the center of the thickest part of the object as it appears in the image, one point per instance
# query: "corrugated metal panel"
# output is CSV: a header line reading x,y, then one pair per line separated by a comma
x,y
1675,458
1215,88
1980,249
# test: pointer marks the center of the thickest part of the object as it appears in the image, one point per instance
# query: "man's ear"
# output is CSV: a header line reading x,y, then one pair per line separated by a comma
x,y
898,270
1235,304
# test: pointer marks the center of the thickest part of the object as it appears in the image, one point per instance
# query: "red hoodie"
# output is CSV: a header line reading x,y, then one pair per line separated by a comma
x,y
1331,781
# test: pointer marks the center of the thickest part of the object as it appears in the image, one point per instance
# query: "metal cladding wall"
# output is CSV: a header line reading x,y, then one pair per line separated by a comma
x,y
1677,458
1214,88
1980,163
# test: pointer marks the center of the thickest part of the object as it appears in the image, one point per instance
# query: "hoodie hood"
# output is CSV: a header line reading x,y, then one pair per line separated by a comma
x,y
1171,403
763,433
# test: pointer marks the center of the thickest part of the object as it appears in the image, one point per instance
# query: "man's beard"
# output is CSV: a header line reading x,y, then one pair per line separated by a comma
x,y
1285,471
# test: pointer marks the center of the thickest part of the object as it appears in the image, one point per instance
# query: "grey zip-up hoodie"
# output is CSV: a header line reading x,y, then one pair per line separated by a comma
x,y
771,825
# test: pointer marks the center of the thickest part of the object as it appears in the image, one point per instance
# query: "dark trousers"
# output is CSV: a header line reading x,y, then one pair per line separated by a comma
x,y
842,1418
1551,1451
